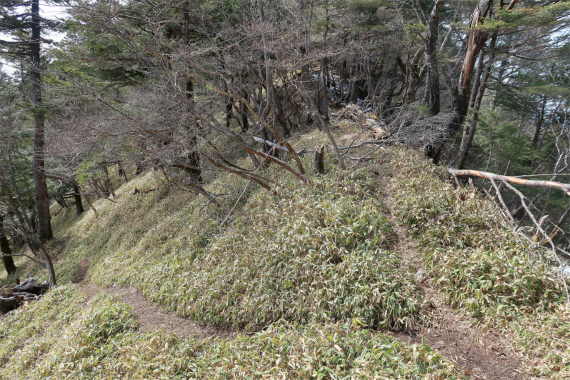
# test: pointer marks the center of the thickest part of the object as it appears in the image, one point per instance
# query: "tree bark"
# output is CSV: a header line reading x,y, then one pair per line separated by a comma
x,y
243,111
41,194
320,160
478,73
539,122
433,90
413,76
77,198
468,137
475,40
193,158
5,249
519,181
33,242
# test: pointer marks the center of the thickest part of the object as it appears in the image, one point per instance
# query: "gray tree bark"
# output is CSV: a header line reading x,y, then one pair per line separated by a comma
x,y
475,40
41,193
433,90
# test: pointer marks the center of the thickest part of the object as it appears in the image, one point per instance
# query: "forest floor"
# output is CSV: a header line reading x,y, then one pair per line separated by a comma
x,y
152,317
156,277
478,353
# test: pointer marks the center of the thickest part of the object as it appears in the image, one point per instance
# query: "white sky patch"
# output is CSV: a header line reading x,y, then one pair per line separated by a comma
x,y
47,11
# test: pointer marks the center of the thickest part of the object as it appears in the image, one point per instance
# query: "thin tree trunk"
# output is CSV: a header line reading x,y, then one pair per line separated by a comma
x,y
243,112
122,171
30,238
77,197
49,265
565,187
268,78
539,122
194,159
413,77
433,90
41,194
478,73
500,77
475,40
468,139
5,249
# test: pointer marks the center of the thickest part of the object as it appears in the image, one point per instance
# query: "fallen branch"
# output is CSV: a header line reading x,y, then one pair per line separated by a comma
x,y
13,296
280,147
278,162
516,180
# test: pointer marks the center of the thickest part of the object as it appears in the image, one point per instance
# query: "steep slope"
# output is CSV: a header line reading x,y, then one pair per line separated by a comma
x,y
310,273
479,265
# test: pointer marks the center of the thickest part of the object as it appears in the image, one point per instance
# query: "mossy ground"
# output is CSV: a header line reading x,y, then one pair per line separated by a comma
x,y
311,271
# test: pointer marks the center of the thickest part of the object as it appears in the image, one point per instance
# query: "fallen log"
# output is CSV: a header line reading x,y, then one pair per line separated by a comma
x,y
12,297
31,285
516,180
9,303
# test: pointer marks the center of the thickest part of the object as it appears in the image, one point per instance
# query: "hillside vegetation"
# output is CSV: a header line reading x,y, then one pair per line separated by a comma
x,y
310,277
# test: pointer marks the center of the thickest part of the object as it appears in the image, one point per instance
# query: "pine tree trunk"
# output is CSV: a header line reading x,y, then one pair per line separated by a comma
x,y
41,194
431,58
539,122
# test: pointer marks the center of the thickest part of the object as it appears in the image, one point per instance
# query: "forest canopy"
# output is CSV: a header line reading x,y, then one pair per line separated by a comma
x,y
190,88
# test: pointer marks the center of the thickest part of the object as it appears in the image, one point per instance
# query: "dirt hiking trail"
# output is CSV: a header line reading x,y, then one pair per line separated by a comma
x,y
480,354
151,317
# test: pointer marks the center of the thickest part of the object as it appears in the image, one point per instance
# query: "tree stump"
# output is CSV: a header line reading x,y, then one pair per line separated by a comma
x,y
320,160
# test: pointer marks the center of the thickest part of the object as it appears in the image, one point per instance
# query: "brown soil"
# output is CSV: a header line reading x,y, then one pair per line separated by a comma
x,y
480,354
57,247
152,318
82,272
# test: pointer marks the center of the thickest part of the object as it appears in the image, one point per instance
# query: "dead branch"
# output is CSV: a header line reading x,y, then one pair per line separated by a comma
x,y
516,180
280,147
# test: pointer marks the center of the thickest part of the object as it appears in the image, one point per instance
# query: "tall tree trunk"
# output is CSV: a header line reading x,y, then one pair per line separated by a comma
x,y
321,97
475,40
243,111
77,197
270,90
468,138
41,194
304,36
539,122
413,76
500,76
193,158
5,249
432,90
33,242
478,74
